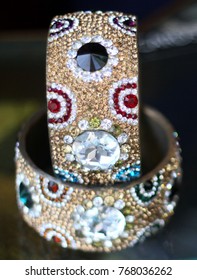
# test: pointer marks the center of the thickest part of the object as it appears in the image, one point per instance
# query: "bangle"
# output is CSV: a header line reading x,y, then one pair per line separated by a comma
x,y
92,97
98,218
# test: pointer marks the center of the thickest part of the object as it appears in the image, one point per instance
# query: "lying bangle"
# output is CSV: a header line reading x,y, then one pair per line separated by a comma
x,y
92,97
98,218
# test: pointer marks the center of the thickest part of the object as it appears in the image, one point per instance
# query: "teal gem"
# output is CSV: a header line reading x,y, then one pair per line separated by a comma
x,y
25,196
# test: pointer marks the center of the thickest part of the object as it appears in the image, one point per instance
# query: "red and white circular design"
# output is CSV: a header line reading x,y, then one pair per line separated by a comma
x,y
123,100
53,193
61,105
58,235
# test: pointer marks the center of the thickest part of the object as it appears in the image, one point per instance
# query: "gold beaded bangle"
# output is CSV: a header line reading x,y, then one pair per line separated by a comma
x,y
92,97
97,218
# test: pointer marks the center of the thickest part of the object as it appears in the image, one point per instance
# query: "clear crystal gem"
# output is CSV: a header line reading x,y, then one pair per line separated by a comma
x,y
92,57
83,124
97,201
68,139
119,204
70,157
106,124
122,138
130,218
102,223
96,149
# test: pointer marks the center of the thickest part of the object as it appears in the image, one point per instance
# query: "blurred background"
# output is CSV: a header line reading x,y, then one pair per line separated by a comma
x,y
168,67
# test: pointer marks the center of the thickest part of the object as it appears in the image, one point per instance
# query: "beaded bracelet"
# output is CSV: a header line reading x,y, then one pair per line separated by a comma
x,y
96,218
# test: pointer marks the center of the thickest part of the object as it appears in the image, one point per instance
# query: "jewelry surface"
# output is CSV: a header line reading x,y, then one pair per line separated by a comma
x,y
100,218
93,97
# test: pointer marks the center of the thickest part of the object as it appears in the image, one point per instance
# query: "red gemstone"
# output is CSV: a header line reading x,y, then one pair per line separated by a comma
x,y
54,105
56,239
134,85
116,95
53,187
64,95
130,101
51,120
59,91
60,120
122,87
118,90
134,117
116,100
129,85
129,23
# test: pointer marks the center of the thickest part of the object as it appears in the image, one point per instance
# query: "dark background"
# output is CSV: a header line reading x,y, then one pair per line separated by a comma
x,y
168,67
37,14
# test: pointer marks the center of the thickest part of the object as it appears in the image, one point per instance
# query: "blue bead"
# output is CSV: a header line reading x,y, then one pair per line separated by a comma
x,y
25,196
129,173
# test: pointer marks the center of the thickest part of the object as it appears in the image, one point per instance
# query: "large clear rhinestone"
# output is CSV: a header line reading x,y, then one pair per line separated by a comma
x,y
92,57
96,149
102,223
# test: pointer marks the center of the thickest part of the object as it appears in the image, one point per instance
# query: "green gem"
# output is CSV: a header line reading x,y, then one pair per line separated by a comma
x,y
79,234
118,163
129,226
126,211
117,130
97,244
95,122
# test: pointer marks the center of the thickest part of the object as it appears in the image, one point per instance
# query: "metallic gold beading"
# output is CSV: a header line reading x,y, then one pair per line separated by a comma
x,y
98,218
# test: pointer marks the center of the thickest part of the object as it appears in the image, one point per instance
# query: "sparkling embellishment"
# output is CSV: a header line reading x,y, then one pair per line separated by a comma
x,y
152,228
68,139
83,124
96,150
52,187
67,176
109,200
97,201
58,235
28,198
122,138
25,196
61,106
95,122
124,156
61,26
53,193
123,100
124,23
130,101
116,129
126,174
172,191
119,204
102,223
56,239
54,105
92,57
130,219
144,193
129,23
70,157
106,124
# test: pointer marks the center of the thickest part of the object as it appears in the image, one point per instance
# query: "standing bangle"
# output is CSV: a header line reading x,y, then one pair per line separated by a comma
x,y
92,95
